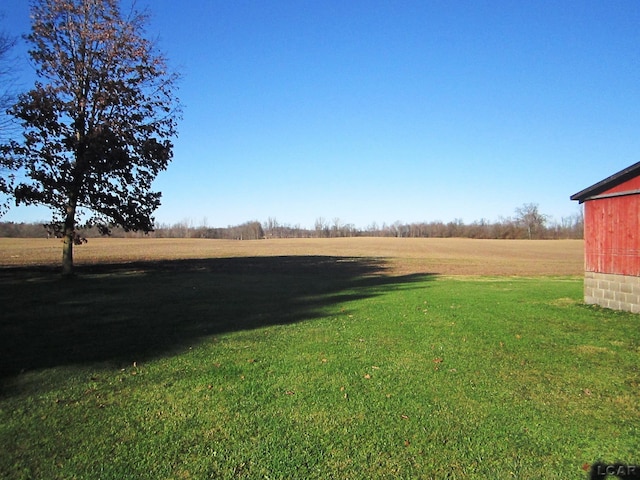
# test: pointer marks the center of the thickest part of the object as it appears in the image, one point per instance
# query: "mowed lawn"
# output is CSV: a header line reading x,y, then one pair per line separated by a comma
x,y
345,358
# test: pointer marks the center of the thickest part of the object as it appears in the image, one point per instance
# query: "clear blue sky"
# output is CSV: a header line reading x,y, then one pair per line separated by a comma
x,y
391,110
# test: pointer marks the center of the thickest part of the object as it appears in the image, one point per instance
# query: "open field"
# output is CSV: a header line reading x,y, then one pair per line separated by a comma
x,y
400,255
345,358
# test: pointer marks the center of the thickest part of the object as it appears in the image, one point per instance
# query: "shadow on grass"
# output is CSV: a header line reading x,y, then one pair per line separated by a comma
x,y
132,312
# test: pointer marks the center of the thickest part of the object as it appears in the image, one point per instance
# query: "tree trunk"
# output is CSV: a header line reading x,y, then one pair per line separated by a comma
x,y
69,239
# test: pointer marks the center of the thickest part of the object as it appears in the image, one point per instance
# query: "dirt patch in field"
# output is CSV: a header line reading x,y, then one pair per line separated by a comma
x,y
400,256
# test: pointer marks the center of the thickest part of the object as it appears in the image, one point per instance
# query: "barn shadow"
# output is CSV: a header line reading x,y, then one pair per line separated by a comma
x,y
122,313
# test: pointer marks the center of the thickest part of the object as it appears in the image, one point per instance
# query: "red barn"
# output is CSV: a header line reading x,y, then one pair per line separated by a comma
x,y
612,240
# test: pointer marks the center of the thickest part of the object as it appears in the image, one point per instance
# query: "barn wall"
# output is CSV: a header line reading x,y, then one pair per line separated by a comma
x,y
612,240
612,247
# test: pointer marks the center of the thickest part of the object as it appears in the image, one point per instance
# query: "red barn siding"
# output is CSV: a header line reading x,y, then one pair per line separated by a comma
x,y
612,225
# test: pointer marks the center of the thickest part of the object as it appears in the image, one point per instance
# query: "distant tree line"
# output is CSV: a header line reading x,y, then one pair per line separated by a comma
x,y
246,231
185,229
528,223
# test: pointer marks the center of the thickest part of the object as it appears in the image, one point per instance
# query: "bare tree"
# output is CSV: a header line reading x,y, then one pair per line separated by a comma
x,y
321,227
98,123
271,228
531,219
336,227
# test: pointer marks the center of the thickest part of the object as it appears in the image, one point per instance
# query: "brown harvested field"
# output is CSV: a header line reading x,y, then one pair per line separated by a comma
x,y
451,256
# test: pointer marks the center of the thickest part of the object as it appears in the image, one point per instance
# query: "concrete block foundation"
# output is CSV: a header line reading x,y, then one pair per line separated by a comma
x,y
618,292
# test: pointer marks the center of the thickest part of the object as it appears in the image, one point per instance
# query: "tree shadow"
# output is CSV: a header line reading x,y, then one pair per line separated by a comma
x,y
136,311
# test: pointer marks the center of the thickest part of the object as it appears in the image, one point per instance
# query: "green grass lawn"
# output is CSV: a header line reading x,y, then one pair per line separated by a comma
x,y
310,367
